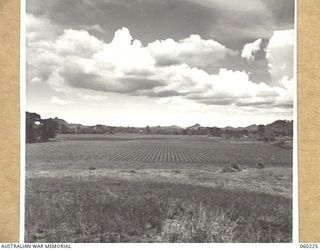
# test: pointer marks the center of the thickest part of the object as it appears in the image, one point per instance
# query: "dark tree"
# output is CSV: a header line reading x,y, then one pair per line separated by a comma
x,y
148,130
261,131
39,130
48,129
32,127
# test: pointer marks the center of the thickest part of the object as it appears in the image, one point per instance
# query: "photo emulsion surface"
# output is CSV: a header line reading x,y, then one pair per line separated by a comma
x,y
159,120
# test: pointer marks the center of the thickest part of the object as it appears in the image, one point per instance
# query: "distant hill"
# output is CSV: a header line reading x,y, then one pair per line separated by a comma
x,y
280,127
175,126
168,127
229,128
252,128
195,126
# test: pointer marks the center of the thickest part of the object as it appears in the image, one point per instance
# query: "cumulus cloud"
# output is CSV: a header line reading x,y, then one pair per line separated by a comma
x,y
285,92
74,59
250,49
77,43
279,53
234,87
192,50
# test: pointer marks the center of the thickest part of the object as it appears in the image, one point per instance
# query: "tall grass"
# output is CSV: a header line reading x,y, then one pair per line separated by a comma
x,y
70,210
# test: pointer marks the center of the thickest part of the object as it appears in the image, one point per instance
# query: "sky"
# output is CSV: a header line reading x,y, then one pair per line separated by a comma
x,y
161,62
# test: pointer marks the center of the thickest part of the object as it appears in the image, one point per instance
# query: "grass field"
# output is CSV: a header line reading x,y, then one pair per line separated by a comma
x,y
138,188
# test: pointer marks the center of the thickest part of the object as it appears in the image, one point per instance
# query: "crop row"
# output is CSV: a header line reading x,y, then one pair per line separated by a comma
x,y
165,153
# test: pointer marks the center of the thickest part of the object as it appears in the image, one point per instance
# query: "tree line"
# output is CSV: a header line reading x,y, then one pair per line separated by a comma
x,y
41,130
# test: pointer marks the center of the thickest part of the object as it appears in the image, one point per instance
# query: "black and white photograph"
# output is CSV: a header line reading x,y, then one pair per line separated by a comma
x,y
159,121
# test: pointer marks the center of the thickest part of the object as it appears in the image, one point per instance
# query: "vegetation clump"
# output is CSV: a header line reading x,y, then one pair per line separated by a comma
x,y
39,130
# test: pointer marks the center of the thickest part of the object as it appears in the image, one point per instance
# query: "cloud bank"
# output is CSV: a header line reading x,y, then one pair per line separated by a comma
x,y
69,59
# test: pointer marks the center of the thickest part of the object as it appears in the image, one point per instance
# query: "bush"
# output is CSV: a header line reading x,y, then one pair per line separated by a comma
x,y
188,222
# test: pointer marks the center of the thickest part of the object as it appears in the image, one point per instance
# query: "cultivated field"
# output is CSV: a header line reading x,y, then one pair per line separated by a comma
x,y
139,188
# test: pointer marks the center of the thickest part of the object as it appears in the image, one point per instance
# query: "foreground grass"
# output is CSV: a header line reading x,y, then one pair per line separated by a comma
x,y
106,210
